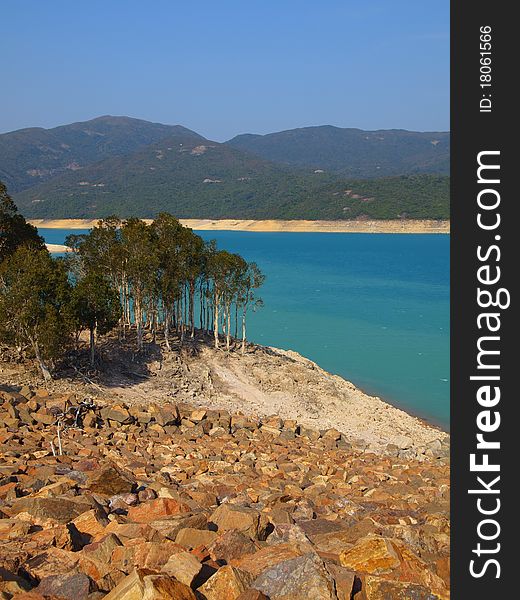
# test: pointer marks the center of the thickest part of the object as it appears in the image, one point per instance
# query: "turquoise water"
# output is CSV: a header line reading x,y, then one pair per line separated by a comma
x,y
373,308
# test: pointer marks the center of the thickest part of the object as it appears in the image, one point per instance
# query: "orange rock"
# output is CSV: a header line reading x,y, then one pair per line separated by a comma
x,y
156,509
371,555
226,584
266,557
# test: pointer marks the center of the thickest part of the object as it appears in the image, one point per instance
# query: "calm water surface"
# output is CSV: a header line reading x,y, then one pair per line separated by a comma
x,y
373,308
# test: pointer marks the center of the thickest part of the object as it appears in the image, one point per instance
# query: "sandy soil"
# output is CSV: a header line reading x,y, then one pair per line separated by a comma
x,y
395,226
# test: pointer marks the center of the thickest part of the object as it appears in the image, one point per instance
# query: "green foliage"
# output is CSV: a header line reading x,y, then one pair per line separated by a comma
x,y
14,230
193,180
34,293
95,304
353,153
30,156
160,271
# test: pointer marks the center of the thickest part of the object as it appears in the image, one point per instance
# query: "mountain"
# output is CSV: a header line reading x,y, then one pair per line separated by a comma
x,y
353,152
192,177
132,167
31,156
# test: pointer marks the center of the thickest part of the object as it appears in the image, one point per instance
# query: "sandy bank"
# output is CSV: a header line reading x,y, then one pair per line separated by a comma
x,y
393,226
56,248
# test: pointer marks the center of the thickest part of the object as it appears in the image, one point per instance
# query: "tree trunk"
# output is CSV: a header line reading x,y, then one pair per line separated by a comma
x,y
228,328
244,330
92,346
215,326
43,367
167,328
139,322
191,307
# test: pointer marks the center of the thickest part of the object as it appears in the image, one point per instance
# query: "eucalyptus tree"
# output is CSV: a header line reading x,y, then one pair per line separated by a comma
x,y
194,269
34,296
141,265
167,236
251,280
95,305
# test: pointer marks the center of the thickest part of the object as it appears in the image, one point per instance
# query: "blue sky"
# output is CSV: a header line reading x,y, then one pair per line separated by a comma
x,y
223,67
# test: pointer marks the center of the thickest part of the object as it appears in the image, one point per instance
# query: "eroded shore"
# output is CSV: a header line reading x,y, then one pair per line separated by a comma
x,y
375,226
264,381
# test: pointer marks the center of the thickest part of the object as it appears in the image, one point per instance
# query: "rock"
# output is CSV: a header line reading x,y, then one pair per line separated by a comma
x,y
191,538
344,581
161,587
266,557
59,510
226,584
183,566
92,523
251,594
154,555
119,414
110,480
54,561
302,577
232,544
375,588
69,586
371,555
247,520
157,509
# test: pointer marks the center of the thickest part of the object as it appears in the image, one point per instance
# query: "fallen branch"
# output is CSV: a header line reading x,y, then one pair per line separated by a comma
x,y
87,379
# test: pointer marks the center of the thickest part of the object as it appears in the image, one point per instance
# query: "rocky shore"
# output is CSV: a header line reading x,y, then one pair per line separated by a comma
x,y
174,501
203,475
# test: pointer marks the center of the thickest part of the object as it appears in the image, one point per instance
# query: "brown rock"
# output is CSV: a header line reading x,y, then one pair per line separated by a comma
x,y
60,510
375,588
266,557
302,577
183,566
191,538
247,520
157,509
344,581
141,584
232,544
116,413
69,586
371,555
154,555
226,584
252,594
54,561
92,523
110,480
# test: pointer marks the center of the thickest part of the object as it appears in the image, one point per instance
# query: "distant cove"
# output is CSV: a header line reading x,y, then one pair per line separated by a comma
x,y
373,308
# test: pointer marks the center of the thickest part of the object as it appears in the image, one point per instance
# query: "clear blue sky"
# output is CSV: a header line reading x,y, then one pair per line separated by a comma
x,y
223,67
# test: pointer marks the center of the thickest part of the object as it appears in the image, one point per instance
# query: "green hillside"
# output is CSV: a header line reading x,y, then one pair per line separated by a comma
x,y
191,179
31,156
353,152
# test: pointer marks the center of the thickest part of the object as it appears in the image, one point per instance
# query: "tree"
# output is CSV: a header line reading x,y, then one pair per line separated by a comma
x,y
95,306
34,292
252,279
14,229
141,263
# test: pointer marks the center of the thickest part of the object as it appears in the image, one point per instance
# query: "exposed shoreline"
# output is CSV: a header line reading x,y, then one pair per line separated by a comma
x,y
265,381
273,225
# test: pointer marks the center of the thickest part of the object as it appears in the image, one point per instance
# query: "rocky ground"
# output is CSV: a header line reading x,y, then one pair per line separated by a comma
x,y
151,495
